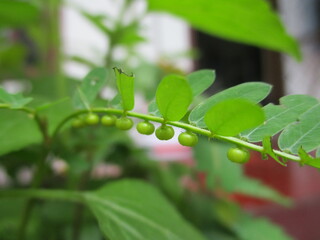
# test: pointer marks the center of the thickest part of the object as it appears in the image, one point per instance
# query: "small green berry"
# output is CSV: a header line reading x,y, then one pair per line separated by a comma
x,y
124,123
188,139
164,132
77,123
238,155
108,120
145,128
92,119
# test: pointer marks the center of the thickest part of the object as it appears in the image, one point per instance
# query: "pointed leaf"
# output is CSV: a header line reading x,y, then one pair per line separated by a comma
x,y
14,100
307,159
89,88
247,21
134,210
252,91
230,117
125,84
267,149
279,116
200,80
173,97
303,133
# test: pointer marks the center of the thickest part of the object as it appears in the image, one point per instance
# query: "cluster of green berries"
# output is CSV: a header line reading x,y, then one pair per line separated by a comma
x,y
163,132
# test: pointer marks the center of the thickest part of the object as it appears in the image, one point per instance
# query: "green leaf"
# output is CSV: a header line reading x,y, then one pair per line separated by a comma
x,y
258,228
279,116
303,133
153,108
255,188
14,100
246,21
134,210
252,91
18,130
307,159
97,21
267,149
230,117
125,84
17,13
116,101
173,97
89,88
129,35
211,158
200,80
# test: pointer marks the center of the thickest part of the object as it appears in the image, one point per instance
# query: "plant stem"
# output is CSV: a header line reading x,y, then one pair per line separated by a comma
x,y
38,176
84,180
185,126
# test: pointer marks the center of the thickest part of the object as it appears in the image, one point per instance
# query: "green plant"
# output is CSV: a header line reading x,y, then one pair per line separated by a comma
x,y
229,116
37,134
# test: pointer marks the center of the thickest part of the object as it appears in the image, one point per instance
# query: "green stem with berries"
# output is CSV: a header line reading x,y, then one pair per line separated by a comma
x,y
188,127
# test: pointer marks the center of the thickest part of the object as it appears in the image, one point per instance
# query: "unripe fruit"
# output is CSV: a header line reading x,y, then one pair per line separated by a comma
x,y
164,132
108,120
145,128
188,139
77,123
124,123
92,119
238,155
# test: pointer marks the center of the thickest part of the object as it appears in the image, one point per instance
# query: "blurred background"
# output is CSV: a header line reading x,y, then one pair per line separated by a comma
x,y
54,44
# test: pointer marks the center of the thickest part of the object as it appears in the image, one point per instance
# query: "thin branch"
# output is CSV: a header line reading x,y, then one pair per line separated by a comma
x,y
185,126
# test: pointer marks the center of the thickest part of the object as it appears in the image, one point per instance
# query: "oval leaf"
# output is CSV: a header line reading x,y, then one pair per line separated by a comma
x,y
303,133
230,117
125,84
173,97
280,116
134,210
252,91
201,80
